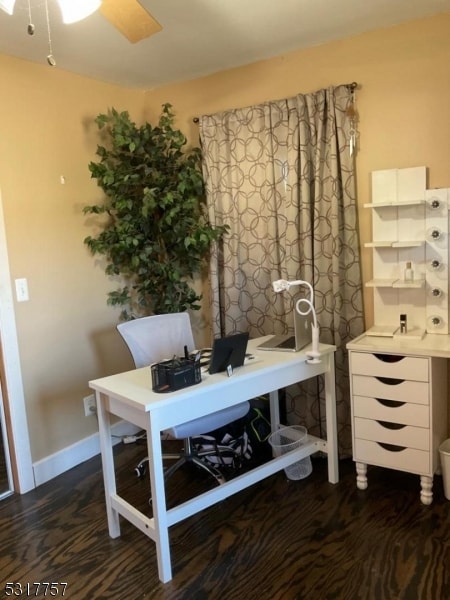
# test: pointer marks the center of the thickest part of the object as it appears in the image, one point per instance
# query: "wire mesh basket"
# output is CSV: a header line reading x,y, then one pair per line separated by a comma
x,y
289,438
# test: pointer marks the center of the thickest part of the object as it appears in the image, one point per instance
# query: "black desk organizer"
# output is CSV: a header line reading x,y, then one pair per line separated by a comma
x,y
175,374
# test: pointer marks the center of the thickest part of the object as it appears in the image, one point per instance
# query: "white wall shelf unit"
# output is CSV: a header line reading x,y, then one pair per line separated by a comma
x,y
409,224
391,244
382,204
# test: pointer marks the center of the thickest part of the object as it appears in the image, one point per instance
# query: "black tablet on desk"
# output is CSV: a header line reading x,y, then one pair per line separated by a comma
x,y
228,351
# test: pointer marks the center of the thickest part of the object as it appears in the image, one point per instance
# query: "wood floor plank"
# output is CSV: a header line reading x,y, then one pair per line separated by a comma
x,y
279,540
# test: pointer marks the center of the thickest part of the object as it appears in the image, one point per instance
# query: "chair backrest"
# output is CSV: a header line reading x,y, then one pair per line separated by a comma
x,y
155,338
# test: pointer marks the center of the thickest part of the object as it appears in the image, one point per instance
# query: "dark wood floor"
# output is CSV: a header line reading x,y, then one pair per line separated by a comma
x,y
278,540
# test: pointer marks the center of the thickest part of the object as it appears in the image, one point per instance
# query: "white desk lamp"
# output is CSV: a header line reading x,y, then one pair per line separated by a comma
x,y
282,285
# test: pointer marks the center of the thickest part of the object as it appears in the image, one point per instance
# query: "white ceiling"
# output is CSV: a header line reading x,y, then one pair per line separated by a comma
x,y
199,37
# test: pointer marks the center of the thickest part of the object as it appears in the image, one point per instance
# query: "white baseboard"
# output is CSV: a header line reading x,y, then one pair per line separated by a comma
x,y
67,458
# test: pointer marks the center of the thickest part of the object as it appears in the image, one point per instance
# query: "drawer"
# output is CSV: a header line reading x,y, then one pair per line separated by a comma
x,y
391,389
392,433
392,411
401,367
404,459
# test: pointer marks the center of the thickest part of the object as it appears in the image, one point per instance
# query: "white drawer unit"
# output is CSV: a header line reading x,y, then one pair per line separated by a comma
x,y
389,388
399,437
391,411
390,365
399,413
395,457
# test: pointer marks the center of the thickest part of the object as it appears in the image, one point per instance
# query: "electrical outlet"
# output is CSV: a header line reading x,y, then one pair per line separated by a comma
x,y
90,405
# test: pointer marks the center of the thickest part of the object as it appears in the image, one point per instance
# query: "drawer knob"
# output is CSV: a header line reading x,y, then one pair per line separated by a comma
x,y
389,358
391,447
390,403
389,425
390,380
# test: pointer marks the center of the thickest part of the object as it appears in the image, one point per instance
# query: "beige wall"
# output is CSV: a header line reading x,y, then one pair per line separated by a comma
x,y
66,332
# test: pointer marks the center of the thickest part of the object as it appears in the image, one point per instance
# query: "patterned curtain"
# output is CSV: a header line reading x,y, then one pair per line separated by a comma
x,y
281,176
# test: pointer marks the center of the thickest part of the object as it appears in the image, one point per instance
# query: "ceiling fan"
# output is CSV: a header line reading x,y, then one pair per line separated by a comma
x,y
127,16
130,18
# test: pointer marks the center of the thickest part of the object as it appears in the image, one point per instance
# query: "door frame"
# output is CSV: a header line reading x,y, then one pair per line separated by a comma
x,y
4,447
13,395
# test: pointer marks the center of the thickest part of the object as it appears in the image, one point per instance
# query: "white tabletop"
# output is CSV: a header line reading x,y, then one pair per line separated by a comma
x,y
432,344
269,371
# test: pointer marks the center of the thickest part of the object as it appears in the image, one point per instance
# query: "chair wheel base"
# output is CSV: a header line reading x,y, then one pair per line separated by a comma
x,y
141,469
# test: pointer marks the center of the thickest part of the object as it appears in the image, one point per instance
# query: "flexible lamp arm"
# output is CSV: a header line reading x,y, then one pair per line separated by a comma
x,y
282,285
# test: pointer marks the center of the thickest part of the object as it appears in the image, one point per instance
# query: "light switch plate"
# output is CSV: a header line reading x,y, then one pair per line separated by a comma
x,y
22,290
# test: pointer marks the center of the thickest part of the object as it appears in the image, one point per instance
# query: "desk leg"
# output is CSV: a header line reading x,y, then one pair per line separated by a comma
x,y
331,420
158,493
109,476
274,410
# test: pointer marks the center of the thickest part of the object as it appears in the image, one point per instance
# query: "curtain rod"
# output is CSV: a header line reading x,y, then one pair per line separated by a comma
x,y
351,86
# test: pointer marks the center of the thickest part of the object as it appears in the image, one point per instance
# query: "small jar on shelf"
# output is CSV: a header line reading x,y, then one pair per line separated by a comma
x,y
408,274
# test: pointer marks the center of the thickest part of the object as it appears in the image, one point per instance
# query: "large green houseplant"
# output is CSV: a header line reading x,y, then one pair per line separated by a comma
x,y
156,236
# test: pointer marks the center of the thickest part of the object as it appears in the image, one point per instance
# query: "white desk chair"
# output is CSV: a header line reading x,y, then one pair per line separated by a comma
x,y
159,337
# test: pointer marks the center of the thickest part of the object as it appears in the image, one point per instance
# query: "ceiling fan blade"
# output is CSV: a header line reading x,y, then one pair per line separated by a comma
x,y
130,18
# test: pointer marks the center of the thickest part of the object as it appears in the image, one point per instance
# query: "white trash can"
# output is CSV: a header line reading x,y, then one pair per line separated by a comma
x,y
444,452
286,439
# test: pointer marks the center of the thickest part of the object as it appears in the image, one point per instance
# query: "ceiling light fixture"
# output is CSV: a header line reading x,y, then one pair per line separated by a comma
x,y
7,6
71,11
77,11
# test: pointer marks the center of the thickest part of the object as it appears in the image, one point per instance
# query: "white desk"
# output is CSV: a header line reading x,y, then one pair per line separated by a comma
x,y
129,396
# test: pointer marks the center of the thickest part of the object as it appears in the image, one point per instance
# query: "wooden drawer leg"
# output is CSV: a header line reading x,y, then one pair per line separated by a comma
x,y
426,493
361,476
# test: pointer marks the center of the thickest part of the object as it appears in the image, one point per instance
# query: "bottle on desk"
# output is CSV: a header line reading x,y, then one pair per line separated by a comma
x,y
408,274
